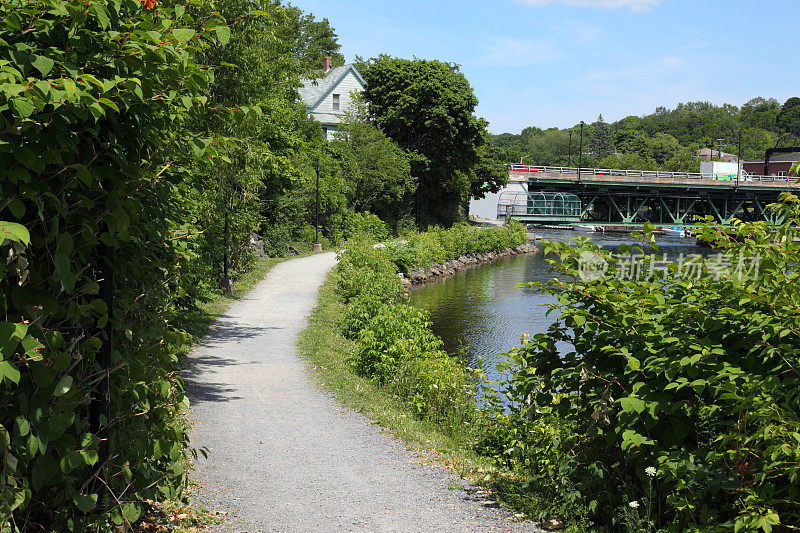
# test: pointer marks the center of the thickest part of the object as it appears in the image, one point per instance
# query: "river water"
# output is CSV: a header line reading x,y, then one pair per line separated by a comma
x,y
482,312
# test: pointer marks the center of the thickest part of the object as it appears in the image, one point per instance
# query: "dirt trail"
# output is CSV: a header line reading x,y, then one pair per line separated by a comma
x,y
283,456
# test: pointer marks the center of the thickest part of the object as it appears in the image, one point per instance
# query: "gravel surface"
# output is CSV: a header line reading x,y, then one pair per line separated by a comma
x,y
283,455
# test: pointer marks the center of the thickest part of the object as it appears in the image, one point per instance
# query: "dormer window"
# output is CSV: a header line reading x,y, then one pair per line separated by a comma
x,y
336,102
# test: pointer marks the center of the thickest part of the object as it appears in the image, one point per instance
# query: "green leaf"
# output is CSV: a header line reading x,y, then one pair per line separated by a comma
x,y
183,35
102,14
632,439
43,64
23,107
109,103
66,277
632,405
9,372
14,232
132,511
17,208
85,502
23,426
223,34
63,386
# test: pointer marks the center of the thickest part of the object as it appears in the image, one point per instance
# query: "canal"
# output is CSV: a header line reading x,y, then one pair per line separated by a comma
x,y
481,312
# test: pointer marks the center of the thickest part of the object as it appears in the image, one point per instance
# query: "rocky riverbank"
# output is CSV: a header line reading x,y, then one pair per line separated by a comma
x,y
449,268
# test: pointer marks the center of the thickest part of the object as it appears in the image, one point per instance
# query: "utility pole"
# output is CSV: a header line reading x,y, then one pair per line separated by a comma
x,y
580,153
720,144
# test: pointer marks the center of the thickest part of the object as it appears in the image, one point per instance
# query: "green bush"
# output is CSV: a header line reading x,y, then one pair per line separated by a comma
x,y
365,227
364,268
396,334
94,159
437,387
678,390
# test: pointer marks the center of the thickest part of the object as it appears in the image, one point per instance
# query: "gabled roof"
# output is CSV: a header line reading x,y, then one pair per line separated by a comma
x,y
792,157
314,91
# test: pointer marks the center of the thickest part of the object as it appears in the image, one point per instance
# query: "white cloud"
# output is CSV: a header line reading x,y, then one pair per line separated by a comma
x,y
510,52
673,61
634,5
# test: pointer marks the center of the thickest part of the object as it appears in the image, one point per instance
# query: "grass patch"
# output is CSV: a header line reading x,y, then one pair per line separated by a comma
x,y
328,352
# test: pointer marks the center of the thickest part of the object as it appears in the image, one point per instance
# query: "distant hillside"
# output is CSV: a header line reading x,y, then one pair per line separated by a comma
x,y
667,139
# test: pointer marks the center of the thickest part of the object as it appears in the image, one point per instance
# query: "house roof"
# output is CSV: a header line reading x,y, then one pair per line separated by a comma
x,y
327,119
314,90
706,152
792,157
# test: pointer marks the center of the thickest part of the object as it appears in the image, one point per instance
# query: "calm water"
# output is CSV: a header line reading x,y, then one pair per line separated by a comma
x,y
482,311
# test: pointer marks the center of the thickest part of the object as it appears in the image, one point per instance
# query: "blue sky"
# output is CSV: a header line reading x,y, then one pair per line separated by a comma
x,y
557,62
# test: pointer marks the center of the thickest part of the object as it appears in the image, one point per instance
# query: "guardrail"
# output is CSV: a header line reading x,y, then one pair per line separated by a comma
x,y
573,171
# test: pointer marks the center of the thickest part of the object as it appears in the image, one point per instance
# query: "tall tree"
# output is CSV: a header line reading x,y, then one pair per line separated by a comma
x,y
788,119
601,143
427,107
377,171
309,40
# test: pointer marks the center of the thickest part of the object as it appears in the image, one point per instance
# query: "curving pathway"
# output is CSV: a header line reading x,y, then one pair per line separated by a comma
x,y
284,456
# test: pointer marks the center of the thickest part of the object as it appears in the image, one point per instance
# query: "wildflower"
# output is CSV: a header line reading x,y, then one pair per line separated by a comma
x,y
634,504
650,471
149,4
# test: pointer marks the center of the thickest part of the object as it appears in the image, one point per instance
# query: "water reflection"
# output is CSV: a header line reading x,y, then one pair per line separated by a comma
x,y
482,311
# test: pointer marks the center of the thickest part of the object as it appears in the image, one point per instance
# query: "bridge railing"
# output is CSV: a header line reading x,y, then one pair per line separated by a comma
x,y
530,170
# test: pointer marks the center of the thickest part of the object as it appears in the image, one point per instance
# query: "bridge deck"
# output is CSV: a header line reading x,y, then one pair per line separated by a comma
x,y
628,197
650,179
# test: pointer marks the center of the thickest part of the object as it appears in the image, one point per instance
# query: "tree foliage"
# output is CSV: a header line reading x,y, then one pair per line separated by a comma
x,y
601,143
427,107
95,154
665,138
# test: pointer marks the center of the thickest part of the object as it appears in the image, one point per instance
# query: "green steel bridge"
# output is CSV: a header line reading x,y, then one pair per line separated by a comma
x,y
608,197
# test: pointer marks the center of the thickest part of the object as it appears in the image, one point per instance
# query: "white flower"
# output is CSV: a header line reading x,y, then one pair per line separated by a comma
x,y
634,504
650,471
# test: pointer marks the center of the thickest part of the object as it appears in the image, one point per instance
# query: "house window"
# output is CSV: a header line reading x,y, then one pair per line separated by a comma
x,y
781,173
336,102
325,131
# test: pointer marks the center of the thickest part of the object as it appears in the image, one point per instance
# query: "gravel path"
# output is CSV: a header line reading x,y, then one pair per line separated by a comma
x,y
283,456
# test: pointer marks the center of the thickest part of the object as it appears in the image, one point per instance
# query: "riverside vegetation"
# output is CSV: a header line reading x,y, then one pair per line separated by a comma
x,y
672,402
665,403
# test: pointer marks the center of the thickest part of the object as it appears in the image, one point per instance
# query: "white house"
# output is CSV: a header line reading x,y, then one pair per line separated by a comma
x,y
328,98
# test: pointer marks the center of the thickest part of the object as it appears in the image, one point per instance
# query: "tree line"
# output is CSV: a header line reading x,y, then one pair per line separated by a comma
x,y
668,139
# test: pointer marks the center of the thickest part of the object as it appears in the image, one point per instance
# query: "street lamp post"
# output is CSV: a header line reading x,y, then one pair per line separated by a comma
x,y
317,245
580,153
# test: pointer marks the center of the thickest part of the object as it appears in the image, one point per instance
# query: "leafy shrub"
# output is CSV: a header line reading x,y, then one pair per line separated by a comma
x,y
365,227
695,376
362,268
396,334
437,387
366,304
94,155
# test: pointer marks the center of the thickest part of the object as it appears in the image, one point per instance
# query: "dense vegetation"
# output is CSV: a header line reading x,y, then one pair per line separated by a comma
x,y
141,144
394,345
668,402
665,140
